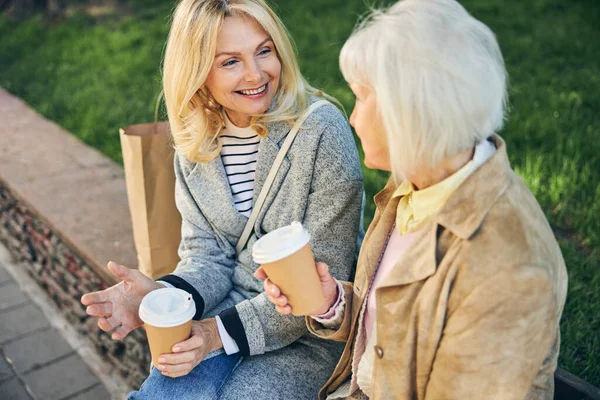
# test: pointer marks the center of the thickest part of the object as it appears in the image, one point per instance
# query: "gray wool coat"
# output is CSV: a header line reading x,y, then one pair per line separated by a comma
x,y
320,184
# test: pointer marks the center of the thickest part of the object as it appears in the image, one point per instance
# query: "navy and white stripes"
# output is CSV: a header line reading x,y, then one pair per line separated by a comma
x,y
239,155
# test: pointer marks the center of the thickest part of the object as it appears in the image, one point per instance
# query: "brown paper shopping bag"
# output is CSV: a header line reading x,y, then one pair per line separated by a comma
x,y
148,161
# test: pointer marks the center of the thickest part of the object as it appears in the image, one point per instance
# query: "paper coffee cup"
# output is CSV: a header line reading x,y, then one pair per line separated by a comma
x,y
286,257
167,315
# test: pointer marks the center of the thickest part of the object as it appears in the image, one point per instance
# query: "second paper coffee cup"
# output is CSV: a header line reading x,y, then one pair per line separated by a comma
x,y
286,257
167,315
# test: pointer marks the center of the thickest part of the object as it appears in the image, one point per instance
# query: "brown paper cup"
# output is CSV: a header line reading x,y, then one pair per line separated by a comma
x,y
162,340
167,315
296,276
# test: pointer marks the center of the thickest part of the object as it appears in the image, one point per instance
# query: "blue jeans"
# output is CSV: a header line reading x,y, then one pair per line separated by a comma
x,y
206,381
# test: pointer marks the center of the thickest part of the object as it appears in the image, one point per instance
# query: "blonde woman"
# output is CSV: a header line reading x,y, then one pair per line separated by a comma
x,y
460,283
233,89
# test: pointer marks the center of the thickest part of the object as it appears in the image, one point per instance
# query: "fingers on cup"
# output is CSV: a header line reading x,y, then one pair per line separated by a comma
x,y
284,310
176,358
177,370
322,270
271,288
194,342
260,273
175,365
279,300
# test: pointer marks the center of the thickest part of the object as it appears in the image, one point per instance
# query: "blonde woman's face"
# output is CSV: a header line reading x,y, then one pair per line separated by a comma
x,y
246,70
369,128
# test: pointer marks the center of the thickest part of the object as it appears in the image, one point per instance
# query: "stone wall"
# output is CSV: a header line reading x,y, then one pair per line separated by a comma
x,y
62,271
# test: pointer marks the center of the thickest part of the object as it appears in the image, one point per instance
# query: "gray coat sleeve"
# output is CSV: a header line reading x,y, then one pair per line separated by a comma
x,y
332,218
202,258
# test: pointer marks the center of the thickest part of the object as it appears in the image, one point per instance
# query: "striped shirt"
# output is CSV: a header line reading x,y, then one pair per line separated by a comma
x,y
239,155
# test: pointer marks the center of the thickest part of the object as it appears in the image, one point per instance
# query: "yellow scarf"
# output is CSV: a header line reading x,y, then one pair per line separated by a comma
x,y
417,206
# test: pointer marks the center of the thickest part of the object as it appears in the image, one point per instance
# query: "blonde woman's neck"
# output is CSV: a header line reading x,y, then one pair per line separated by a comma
x,y
239,120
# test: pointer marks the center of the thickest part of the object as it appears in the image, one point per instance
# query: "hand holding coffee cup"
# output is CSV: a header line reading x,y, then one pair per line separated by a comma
x,y
188,354
286,258
167,315
328,285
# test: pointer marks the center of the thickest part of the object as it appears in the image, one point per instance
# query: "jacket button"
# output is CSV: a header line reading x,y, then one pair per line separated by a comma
x,y
379,351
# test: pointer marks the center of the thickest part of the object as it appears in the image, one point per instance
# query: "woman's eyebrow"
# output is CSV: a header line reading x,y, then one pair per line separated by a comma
x,y
234,53
264,42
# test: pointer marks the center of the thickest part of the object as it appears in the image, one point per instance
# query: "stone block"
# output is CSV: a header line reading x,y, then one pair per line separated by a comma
x,y
11,295
37,349
20,321
5,370
4,276
13,390
98,392
61,379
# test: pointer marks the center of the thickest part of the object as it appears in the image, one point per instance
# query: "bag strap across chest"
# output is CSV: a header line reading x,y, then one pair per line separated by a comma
x,y
272,173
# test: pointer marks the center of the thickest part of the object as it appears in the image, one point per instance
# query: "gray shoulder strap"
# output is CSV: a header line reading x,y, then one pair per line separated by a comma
x,y
271,177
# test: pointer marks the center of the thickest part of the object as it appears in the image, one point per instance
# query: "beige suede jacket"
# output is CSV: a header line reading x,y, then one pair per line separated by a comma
x,y
472,309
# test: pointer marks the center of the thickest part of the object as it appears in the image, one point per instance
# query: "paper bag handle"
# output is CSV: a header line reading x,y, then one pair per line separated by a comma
x,y
272,173
160,97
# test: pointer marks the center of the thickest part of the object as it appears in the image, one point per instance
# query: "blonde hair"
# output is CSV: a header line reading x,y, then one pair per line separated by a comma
x,y
194,116
438,77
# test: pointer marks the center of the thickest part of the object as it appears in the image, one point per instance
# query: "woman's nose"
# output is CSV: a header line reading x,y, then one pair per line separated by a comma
x,y
253,73
352,118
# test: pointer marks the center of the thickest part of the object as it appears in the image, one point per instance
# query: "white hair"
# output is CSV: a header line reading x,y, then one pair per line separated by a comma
x,y
438,77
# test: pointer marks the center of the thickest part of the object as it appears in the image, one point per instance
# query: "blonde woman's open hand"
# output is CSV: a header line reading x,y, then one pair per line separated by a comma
x,y
117,307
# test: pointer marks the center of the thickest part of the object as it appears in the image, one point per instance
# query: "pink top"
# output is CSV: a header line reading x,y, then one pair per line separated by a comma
x,y
396,246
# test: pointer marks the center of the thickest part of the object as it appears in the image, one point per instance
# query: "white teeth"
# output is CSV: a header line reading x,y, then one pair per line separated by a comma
x,y
256,91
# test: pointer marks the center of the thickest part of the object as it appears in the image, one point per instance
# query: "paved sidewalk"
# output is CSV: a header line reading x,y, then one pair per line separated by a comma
x,y
36,362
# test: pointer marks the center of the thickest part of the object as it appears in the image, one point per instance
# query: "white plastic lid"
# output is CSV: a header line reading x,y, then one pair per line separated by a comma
x,y
280,243
167,307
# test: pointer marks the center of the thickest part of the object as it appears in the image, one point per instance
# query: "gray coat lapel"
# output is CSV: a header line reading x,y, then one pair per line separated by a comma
x,y
210,188
267,152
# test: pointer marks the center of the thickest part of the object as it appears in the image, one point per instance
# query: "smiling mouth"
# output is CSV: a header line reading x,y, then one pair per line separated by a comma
x,y
252,92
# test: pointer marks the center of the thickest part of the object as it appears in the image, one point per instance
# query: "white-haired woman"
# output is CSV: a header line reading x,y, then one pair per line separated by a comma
x,y
460,283
233,90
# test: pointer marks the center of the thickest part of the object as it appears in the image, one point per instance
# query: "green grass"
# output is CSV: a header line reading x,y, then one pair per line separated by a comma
x,y
94,76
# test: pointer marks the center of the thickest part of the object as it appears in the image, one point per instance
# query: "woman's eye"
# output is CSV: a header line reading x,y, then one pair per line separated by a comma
x,y
264,52
229,63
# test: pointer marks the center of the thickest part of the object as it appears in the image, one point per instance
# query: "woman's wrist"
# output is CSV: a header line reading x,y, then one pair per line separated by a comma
x,y
331,300
216,342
